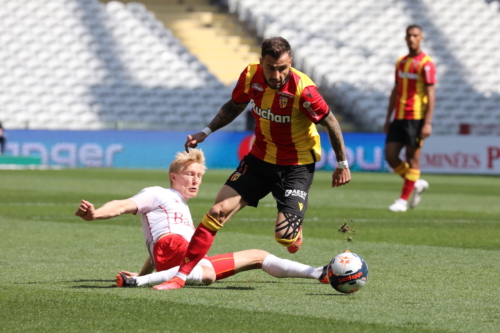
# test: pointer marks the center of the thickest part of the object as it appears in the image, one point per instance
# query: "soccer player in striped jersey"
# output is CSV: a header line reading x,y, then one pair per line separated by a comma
x,y
412,102
167,226
286,107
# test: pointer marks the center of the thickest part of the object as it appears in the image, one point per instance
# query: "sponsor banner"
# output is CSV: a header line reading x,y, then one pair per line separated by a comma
x,y
461,155
119,149
156,149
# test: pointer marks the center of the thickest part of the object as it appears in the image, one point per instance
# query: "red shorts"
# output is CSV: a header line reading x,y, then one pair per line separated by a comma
x,y
169,251
223,265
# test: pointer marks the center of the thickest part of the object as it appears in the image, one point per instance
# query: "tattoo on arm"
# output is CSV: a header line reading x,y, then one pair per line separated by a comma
x,y
335,134
226,115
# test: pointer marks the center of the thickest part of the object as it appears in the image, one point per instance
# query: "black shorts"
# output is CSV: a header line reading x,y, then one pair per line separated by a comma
x,y
406,131
289,184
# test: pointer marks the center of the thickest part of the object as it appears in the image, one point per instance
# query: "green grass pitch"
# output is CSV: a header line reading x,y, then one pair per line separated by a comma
x,y
432,269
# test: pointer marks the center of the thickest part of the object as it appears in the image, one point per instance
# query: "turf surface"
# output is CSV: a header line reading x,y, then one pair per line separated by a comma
x,y
432,269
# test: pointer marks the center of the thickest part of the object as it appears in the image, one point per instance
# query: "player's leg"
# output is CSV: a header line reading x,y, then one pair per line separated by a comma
x,y
291,193
242,188
397,139
392,151
288,231
201,274
227,203
226,265
416,185
413,146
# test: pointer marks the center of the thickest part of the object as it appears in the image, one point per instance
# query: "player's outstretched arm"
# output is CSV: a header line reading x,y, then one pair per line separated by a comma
x,y
341,176
147,268
109,210
225,116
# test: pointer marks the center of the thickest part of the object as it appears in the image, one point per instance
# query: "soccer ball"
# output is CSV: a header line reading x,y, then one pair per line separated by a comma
x,y
347,272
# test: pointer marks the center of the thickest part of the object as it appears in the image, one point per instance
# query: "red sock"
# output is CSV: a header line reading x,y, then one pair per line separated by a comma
x,y
198,247
224,265
407,189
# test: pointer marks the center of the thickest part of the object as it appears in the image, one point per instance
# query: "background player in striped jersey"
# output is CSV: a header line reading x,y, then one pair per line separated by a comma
x,y
412,101
167,226
286,106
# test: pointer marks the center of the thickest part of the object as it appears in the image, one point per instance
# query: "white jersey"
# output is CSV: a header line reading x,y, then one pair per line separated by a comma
x,y
163,211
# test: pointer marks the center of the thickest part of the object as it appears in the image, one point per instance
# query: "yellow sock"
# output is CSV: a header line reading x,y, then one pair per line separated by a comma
x,y
412,175
287,242
402,169
211,223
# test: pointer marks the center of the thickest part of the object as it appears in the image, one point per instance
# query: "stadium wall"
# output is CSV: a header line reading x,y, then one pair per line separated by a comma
x,y
156,149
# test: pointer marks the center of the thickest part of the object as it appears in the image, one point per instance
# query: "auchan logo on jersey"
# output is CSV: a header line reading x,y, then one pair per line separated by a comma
x,y
269,115
404,75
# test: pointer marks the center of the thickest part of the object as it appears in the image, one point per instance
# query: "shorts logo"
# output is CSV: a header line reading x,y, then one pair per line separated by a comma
x,y
186,260
235,176
283,102
296,193
301,205
257,86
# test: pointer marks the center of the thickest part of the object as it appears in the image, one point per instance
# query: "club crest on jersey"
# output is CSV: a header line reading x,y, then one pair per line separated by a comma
x,y
283,102
301,205
257,86
235,176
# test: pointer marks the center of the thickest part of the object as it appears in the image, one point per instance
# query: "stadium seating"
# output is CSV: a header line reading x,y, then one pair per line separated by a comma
x,y
349,49
80,64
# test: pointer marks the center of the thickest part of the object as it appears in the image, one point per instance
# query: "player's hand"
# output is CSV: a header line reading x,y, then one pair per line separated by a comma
x,y
129,273
386,126
341,177
426,131
86,211
193,140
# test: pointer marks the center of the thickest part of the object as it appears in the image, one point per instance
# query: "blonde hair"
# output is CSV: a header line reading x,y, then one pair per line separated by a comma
x,y
183,159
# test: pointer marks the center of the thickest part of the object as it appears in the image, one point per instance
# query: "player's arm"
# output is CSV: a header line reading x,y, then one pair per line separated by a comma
x,y
341,176
109,210
426,130
225,116
147,268
390,108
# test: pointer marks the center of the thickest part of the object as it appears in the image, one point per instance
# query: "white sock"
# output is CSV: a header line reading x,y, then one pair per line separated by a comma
x,y
284,268
159,277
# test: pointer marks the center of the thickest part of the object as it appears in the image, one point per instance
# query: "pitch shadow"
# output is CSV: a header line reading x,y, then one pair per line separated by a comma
x,y
329,295
93,287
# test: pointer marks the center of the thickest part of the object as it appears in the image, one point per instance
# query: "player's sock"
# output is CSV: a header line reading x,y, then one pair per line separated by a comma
x,y
402,169
200,244
223,265
288,242
284,268
195,277
410,178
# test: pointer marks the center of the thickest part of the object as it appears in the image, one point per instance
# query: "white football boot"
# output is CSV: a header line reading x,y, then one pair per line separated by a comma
x,y
420,187
400,205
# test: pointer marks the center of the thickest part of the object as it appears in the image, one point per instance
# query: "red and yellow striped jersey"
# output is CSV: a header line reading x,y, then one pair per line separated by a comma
x,y
285,133
412,75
